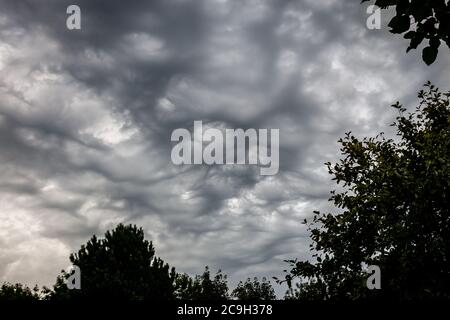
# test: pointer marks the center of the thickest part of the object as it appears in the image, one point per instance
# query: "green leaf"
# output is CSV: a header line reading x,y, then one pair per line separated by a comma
x,y
415,41
429,55
402,6
399,24
385,3
435,42
409,35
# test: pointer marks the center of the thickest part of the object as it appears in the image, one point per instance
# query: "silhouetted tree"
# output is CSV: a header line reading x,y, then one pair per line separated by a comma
x,y
202,287
254,290
120,266
18,291
394,213
420,20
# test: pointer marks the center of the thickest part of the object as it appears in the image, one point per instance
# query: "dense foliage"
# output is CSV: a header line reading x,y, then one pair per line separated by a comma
x,y
120,266
420,20
254,290
394,212
18,292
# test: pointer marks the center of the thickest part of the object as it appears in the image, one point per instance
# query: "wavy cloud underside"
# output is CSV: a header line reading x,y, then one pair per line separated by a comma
x,y
86,118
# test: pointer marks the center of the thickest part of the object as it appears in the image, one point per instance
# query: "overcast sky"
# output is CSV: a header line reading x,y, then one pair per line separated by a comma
x,y
86,117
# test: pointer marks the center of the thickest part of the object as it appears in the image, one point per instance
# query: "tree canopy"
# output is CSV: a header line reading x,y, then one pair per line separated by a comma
x,y
420,20
18,292
254,290
202,287
393,212
123,265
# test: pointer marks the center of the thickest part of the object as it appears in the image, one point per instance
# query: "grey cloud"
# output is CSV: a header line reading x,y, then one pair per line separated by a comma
x,y
86,118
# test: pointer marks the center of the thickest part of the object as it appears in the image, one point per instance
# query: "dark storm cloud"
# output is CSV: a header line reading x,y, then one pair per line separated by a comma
x,y
86,118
